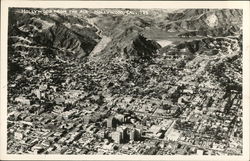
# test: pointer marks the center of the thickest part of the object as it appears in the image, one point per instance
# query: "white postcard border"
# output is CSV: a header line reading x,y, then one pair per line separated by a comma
x,y
123,4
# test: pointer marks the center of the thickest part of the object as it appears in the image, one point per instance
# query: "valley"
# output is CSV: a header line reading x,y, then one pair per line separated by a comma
x,y
164,83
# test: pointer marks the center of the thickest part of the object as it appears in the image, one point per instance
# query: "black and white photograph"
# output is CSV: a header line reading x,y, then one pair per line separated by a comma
x,y
124,81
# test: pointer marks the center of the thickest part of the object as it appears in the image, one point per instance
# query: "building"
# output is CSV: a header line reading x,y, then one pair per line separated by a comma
x,y
124,131
37,93
135,134
59,100
138,134
18,135
37,149
73,93
132,135
23,100
101,134
155,129
87,119
68,114
111,122
117,137
120,118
